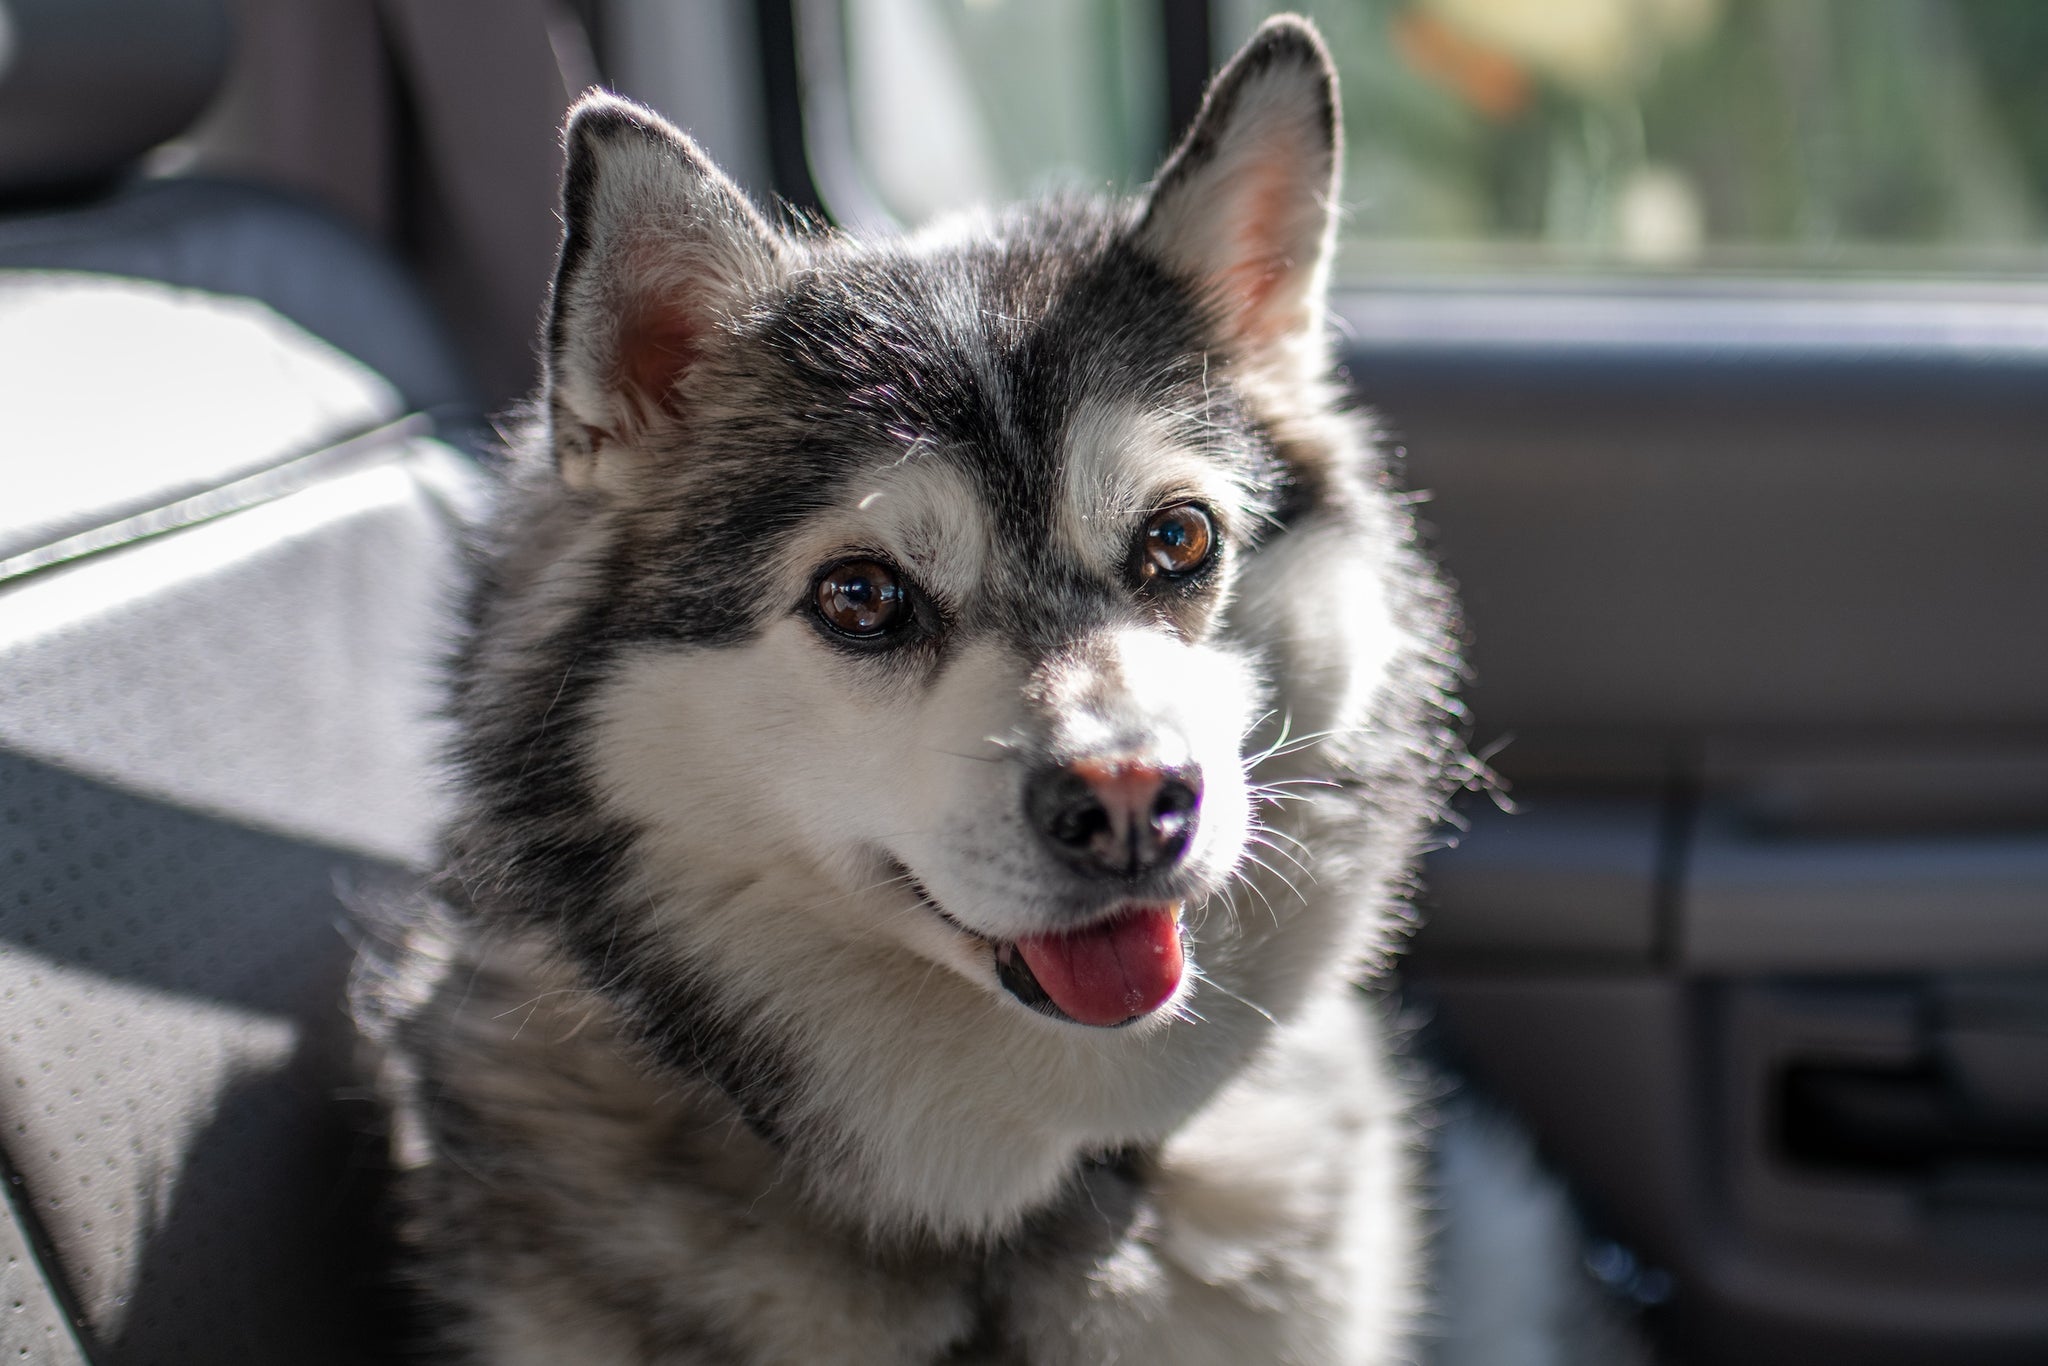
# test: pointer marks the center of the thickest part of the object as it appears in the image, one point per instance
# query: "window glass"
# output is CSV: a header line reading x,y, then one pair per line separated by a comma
x,y
1835,135
958,102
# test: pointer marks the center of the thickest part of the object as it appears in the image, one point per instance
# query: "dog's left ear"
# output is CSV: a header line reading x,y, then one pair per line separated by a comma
x,y
1245,208
659,249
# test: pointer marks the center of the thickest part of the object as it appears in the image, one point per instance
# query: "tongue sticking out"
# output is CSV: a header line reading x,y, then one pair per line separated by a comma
x,y
1112,972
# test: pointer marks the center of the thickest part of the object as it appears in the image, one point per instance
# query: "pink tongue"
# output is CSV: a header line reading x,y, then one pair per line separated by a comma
x,y
1112,972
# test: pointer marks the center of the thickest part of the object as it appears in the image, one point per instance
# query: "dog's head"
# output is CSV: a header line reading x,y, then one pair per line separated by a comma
x,y
958,604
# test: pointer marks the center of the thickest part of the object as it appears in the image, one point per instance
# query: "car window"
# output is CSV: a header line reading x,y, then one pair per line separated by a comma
x,y
1009,99
1818,136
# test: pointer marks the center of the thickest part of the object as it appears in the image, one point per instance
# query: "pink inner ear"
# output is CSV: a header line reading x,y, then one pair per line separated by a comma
x,y
1261,256
657,343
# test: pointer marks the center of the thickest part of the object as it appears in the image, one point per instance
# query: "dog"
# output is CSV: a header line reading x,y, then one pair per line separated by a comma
x,y
945,725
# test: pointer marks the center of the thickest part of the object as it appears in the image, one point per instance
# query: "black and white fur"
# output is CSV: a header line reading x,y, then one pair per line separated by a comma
x,y
699,1054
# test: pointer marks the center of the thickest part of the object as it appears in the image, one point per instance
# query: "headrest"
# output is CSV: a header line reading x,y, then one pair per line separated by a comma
x,y
88,86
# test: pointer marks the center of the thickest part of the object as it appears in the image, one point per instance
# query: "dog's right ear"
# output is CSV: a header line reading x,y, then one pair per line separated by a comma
x,y
658,250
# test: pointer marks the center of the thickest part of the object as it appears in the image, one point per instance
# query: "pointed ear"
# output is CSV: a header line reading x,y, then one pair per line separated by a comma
x,y
658,249
1246,205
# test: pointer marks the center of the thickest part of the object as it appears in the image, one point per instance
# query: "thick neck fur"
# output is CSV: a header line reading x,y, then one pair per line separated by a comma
x,y
582,1183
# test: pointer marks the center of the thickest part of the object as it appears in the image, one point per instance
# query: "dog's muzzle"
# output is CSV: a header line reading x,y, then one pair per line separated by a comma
x,y
1118,818
1108,818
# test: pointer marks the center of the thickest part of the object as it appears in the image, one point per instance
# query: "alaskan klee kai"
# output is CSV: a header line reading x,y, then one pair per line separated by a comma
x,y
946,724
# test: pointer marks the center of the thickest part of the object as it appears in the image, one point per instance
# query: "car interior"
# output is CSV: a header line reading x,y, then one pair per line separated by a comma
x,y
1731,433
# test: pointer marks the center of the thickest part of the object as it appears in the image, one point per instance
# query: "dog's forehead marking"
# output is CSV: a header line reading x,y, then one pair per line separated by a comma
x,y
1121,461
1068,387
924,513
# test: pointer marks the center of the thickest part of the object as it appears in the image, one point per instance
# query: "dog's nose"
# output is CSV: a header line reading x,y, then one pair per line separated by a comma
x,y
1115,817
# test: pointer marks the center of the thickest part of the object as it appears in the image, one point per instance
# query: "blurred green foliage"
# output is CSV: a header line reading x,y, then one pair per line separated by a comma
x,y
1676,133
1673,134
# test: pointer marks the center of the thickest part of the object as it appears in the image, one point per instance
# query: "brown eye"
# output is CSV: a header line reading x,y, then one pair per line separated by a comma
x,y
1178,542
860,598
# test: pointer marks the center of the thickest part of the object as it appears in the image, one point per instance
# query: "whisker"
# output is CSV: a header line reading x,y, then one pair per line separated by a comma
x,y
1290,790
1284,784
1252,1006
1285,746
1201,913
1306,871
1288,786
1255,760
1277,873
1260,827
1244,879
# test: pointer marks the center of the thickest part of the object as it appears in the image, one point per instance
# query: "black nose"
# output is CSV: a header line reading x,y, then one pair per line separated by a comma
x,y
1115,817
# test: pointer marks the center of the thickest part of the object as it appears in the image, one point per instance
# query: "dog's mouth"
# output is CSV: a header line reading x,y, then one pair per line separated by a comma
x,y
1111,972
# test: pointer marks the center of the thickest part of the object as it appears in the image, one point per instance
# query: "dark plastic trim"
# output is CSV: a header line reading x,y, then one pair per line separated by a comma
x,y
1770,333
783,106
1187,30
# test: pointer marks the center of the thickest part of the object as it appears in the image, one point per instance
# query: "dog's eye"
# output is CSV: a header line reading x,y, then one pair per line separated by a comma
x,y
1177,542
861,598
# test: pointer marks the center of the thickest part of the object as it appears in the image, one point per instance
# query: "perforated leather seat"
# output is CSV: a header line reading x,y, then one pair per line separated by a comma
x,y
226,556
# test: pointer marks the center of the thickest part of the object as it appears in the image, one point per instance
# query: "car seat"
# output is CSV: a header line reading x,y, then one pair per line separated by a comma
x,y
230,486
